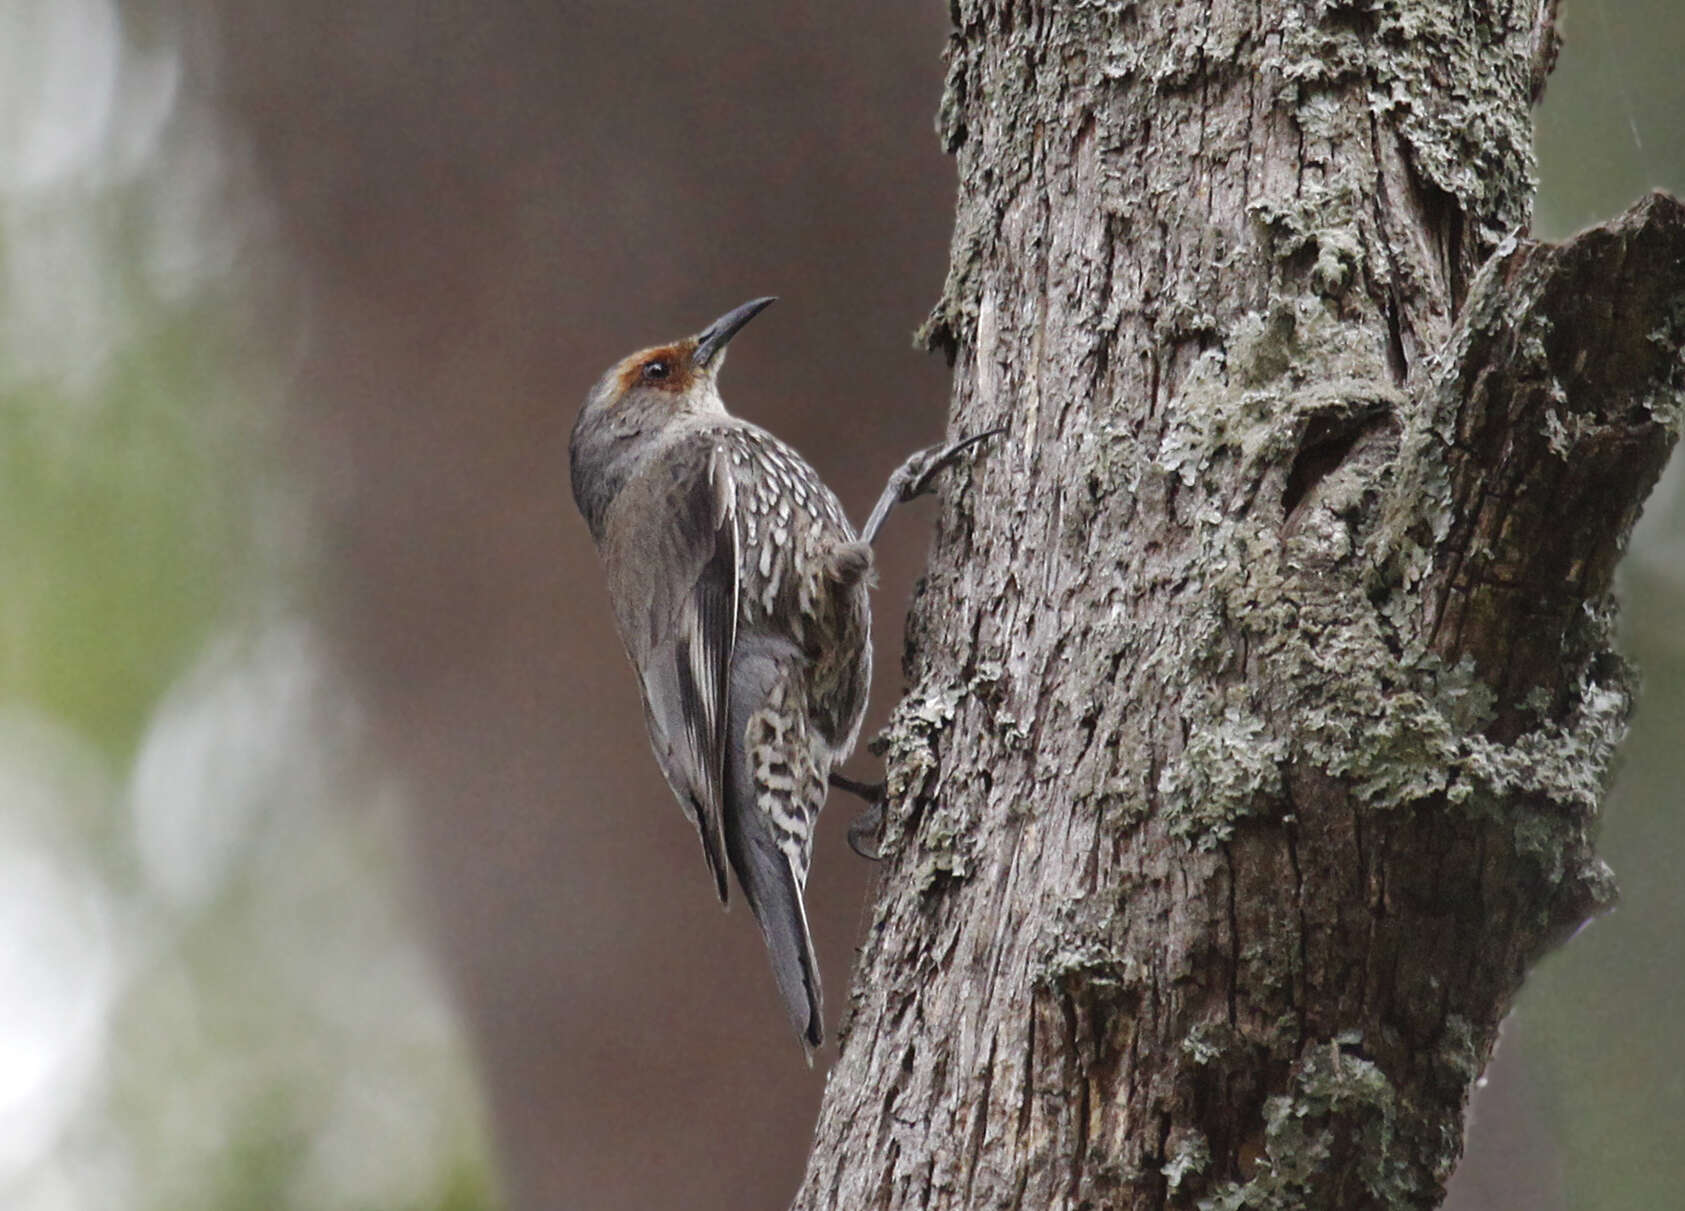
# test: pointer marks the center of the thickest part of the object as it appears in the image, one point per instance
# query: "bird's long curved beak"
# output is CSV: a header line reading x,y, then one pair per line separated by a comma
x,y
712,340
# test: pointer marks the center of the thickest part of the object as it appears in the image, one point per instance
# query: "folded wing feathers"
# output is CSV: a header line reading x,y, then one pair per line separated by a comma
x,y
708,636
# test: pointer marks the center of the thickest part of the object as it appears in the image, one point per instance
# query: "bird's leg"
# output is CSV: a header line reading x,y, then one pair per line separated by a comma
x,y
871,792
909,481
865,831
915,477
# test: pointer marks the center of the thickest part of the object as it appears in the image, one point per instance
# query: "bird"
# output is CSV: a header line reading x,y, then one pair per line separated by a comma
x,y
740,593
739,590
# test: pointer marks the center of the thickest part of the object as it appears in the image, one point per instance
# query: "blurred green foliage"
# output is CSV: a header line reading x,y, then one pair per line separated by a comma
x,y
120,531
1609,127
213,995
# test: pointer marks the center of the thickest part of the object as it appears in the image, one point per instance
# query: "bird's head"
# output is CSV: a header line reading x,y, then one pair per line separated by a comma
x,y
641,395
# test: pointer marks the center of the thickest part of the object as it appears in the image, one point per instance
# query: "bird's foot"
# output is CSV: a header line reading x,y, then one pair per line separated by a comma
x,y
917,476
865,831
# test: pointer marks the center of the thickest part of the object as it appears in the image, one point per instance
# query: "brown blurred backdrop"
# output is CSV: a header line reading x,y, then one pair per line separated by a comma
x,y
488,203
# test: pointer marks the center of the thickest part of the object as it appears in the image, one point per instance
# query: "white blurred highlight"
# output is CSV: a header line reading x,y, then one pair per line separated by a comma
x,y
58,970
230,744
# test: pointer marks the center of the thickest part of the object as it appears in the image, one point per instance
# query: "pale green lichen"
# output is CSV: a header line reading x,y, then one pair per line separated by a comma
x,y
1275,371
912,782
1189,1155
1461,1052
1322,218
1273,961
1666,401
1229,763
1071,959
1120,801
1568,762
1382,713
1401,728
945,850
1208,1042
1077,952
915,728
1336,1096
1471,135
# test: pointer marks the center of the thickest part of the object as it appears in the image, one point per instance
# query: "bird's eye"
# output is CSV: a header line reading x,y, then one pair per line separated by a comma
x,y
657,369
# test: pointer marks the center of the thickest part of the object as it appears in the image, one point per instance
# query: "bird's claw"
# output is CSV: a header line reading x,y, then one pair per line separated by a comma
x,y
917,476
922,469
865,831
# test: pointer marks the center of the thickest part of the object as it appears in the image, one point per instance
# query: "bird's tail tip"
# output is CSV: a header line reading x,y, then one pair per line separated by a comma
x,y
813,1037
795,967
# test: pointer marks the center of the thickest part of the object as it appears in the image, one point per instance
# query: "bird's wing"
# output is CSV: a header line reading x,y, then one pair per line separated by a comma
x,y
678,610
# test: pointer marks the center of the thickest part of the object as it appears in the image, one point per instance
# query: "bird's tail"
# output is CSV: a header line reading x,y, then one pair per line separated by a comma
x,y
775,895
767,873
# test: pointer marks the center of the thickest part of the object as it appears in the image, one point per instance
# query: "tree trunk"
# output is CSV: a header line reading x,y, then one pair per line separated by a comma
x,y
1262,690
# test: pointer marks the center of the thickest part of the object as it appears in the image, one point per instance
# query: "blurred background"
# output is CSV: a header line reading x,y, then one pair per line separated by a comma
x,y
334,869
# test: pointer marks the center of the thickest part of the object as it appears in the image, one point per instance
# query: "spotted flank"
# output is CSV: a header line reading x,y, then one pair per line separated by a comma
x,y
789,766
789,523
801,570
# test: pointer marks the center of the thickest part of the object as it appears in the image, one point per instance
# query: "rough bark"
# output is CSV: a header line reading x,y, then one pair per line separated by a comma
x,y
1262,692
